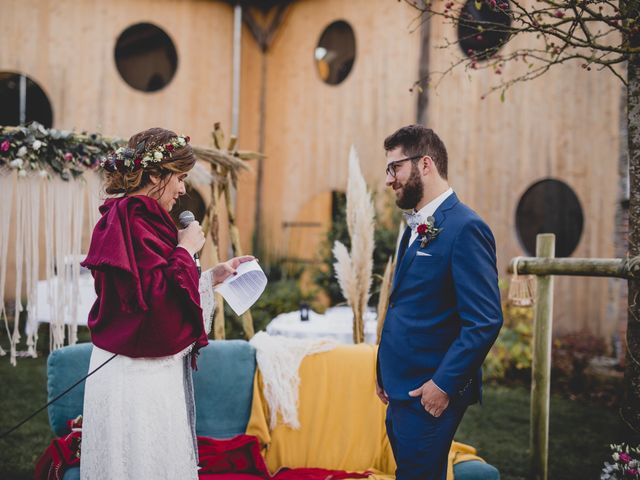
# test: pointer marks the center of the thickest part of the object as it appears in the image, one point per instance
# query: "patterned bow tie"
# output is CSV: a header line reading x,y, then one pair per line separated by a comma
x,y
413,219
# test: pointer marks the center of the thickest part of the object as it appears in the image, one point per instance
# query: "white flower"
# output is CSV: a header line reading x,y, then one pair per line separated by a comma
x,y
22,173
43,173
616,456
157,155
17,163
22,151
120,150
181,141
36,145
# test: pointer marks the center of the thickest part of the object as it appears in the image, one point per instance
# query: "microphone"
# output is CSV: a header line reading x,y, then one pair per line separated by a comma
x,y
185,219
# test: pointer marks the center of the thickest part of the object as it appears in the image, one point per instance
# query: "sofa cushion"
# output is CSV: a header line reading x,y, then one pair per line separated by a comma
x,y
64,368
223,387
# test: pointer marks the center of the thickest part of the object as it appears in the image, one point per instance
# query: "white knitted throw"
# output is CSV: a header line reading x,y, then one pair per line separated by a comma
x,y
279,360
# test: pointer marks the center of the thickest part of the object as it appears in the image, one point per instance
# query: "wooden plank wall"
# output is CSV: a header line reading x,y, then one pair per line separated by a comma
x,y
310,125
67,47
564,125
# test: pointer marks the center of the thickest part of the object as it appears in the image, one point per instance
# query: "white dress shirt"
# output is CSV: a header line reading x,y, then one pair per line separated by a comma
x,y
428,210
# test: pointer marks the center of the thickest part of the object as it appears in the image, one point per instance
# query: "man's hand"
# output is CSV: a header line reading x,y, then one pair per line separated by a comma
x,y
228,268
382,395
434,400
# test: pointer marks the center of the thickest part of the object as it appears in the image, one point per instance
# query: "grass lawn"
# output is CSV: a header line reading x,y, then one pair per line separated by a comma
x,y
499,429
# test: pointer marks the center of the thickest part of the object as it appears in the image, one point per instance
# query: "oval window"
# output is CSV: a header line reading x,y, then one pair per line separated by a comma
x,y
23,101
146,57
483,27
550,206
336,52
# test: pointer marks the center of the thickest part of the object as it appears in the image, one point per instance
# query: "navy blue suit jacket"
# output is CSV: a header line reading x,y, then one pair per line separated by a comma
x,y
444,309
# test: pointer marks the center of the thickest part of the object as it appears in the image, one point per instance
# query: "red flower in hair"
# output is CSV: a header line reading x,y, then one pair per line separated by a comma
x,y
137,161
168,147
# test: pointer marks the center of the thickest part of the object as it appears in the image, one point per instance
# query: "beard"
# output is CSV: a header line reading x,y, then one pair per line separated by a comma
x,y
412,191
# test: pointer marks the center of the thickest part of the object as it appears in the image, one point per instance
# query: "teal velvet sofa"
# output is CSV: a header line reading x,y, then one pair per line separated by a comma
x,y
223,387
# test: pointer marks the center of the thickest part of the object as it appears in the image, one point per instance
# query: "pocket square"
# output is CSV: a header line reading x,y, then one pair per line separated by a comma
x,y
423,254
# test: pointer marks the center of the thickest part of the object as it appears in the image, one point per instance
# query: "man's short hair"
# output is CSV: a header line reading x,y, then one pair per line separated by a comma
x,y
419,140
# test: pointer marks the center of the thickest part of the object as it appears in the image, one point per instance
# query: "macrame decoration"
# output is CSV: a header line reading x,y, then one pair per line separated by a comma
x,y
48,185
522,288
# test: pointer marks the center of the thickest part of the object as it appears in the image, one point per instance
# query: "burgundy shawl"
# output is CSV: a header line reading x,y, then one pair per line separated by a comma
x,y
148,303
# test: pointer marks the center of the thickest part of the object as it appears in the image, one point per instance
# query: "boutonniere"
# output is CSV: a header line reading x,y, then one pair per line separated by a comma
x,y
428,231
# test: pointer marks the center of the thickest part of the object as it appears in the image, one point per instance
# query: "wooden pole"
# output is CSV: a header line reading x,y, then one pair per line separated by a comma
x,y
587,267
247,319
541,366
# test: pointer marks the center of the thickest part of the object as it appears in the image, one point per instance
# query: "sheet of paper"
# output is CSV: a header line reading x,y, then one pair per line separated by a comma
x,y
242,290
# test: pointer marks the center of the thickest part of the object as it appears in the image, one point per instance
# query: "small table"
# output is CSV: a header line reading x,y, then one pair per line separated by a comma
x,y
336,323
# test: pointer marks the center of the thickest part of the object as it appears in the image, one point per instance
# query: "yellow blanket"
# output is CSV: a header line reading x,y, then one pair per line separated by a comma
x,y
341,418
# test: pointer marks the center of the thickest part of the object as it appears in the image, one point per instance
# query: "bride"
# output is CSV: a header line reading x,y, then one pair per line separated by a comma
x,y
147,322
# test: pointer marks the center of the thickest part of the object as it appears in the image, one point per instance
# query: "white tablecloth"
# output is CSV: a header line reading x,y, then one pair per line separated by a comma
x,y
336,323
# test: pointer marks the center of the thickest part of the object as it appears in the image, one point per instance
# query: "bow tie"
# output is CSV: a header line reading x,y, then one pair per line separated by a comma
x,y
413,219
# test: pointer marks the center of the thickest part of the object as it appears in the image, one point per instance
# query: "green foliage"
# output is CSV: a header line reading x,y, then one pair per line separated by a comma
x,y
282,294
511,355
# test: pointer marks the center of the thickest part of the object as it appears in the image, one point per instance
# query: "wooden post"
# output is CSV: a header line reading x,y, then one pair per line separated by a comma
x,y
541,366
247,319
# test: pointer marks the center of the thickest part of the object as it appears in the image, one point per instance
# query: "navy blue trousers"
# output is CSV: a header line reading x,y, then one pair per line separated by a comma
x,y
421,442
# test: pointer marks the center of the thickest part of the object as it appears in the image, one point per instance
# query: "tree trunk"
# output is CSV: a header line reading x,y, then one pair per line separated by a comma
x,y
631,408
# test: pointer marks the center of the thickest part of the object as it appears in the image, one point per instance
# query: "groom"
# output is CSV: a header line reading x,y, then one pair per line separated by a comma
x,y
444,310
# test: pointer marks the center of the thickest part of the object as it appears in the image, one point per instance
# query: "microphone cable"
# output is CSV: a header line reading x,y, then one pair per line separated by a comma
x,y
12,429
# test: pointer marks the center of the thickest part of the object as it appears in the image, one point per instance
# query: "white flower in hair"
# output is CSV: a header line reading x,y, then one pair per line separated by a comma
x,y
36,145
22,173
157,155
22,151
17,163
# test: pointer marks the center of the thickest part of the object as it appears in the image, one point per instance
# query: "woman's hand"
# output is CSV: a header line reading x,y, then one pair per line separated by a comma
x,y
226,269
191,238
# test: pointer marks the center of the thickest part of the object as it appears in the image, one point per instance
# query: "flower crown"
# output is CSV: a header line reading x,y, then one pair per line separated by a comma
x,y
127,160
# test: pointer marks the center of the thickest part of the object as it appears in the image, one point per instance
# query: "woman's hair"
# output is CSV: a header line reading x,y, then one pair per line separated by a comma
x,y
181,161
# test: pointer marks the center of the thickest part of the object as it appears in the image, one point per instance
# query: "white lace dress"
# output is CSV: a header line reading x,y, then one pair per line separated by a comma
x,y
138,416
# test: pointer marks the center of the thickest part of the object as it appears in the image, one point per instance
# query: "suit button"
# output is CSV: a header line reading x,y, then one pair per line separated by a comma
x,y
391,305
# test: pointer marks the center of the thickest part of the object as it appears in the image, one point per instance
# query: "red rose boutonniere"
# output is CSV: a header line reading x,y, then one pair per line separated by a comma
x,y
427,231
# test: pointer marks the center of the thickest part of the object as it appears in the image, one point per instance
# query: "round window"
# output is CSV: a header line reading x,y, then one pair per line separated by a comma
x,y
550,206
483,27
23,101
146,57
336,52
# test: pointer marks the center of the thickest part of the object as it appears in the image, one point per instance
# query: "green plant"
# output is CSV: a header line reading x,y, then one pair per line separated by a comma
x,y
511,355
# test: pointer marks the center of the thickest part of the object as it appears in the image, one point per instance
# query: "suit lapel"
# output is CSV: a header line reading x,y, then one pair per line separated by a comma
x,y
405,258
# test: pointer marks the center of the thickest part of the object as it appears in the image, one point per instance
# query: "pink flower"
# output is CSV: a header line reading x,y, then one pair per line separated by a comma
x,y
67,157
625,457
4,146
632,471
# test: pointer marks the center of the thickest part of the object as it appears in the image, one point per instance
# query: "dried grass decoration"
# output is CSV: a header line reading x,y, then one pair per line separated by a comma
x,y
522,288
354,270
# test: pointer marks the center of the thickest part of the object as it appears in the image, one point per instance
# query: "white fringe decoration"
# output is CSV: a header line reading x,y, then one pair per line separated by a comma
x,y
279,360
32,260
354,271
7,179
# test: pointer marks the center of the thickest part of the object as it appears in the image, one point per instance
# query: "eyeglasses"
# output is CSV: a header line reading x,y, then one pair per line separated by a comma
x,y
391,167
